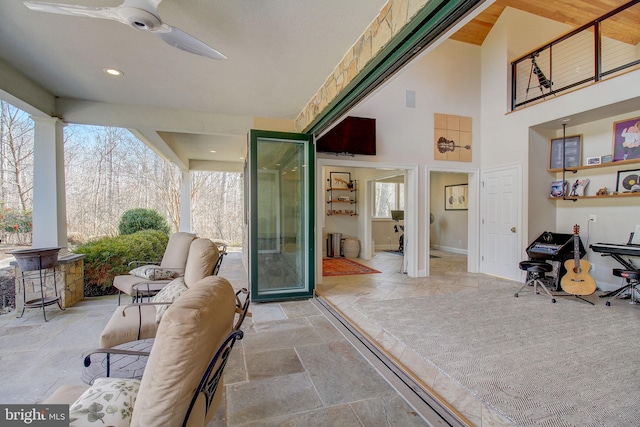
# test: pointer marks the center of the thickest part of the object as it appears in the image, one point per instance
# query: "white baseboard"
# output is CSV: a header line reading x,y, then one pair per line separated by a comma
x,y
448,249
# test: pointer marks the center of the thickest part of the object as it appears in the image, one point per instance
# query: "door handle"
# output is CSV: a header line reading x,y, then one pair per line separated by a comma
x,y
513,229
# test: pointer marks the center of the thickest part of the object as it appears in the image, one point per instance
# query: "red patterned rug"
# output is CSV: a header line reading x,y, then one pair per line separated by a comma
x,y
344,267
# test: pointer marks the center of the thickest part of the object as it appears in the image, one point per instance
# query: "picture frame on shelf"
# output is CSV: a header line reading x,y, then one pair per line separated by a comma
x,y
628,181
578,187
456,197
558,188
606,159
572,152
626,139
593,160
340,180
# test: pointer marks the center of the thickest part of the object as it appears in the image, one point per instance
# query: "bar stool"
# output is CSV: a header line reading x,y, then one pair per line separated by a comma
x,y
535,272
633,281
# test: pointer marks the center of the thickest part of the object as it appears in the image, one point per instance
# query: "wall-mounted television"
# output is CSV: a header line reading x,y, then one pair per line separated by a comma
x,y
353,135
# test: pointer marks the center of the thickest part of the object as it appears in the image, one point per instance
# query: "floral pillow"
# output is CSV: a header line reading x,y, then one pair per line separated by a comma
x,y
169,294
153,272
108,402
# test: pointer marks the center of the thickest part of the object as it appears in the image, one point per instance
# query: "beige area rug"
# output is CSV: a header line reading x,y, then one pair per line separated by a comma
x,y
537,363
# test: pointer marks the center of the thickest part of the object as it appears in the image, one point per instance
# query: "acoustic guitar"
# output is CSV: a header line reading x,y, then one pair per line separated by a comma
x,y
577,281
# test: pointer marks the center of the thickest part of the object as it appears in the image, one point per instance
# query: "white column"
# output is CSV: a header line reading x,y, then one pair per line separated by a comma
x,y
185,201
49,197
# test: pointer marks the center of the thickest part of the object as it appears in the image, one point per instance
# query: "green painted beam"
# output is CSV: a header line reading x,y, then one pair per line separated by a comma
x,y
434,19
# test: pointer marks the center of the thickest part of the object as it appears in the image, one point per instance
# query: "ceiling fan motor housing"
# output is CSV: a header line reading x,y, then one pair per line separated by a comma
x,y
140,19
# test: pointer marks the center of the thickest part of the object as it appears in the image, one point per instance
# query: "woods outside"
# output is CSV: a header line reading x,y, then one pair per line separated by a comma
x,y
109,171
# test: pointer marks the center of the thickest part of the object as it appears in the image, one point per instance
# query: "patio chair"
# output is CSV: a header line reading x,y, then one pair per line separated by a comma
x,y
149,289
172,265
140,320
129,360
183,383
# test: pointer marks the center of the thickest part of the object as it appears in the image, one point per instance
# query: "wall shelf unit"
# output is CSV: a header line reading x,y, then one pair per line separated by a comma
x,y
603,168
342,194
602,165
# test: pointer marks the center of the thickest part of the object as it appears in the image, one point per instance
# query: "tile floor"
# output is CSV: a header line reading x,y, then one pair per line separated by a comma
x,y
293,367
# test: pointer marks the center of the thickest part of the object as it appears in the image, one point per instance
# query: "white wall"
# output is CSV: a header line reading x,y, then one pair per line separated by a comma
x,y
523,137
446,80
461,79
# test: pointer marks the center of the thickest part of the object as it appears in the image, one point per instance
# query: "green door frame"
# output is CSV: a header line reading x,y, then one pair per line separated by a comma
x,y
436,17
309,276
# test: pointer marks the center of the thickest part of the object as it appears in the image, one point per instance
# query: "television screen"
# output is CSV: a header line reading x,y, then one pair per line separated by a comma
x,y
353,135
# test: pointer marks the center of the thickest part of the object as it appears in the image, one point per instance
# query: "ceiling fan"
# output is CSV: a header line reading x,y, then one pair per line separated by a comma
x,y
139,14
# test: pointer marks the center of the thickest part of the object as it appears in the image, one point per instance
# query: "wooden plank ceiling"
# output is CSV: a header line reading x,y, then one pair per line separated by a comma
x,y
571,12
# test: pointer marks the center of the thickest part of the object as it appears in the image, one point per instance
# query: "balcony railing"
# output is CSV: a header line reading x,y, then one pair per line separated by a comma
x,y
599,50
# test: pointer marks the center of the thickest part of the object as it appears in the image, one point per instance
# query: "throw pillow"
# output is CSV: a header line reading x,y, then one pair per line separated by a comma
x,y
153,272
109,401
169,294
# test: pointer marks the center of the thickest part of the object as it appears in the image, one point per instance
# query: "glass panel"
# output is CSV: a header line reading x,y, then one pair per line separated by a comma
x,y
282,241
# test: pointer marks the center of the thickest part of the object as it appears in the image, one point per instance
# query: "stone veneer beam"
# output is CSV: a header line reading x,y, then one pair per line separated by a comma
x,y
393,17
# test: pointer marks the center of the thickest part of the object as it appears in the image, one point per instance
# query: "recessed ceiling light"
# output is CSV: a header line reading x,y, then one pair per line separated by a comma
x,y
212,151
113,72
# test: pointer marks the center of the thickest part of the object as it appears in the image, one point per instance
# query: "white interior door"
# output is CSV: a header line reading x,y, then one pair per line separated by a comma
x,y
501,222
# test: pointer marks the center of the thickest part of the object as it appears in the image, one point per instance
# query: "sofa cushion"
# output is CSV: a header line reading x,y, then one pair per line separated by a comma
x,y
153,272
190,333
121,329
175,256
109,401
169,294
203,255
126,282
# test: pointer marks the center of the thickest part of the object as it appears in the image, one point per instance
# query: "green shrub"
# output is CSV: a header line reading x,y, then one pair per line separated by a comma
x,y
110,256
139,219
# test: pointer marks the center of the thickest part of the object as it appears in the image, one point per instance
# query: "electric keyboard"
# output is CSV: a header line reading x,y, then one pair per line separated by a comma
x,y
610,248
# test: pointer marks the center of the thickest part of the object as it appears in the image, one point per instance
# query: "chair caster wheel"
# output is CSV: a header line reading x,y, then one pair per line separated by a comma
x,y
553,300
515,295
608,303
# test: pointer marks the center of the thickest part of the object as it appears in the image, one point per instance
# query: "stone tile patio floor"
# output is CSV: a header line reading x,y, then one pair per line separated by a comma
x,y
293,367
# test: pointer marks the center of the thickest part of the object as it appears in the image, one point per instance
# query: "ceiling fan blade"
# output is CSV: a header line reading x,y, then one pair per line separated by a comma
x,y
138,14
178,38
72,9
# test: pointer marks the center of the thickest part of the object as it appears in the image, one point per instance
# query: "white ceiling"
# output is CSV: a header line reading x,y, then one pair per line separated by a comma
x,y
279,54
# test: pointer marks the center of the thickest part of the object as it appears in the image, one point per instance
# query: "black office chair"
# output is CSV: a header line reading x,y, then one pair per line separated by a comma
x,y
633,281
535,272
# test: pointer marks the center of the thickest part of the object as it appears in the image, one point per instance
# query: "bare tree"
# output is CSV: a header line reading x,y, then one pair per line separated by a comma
x,y
16,157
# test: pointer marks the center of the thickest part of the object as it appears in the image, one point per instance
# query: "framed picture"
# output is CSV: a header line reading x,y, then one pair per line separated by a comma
x,y
626,139
558,188
340,180
628,181
456,197
606,159
572,152
593,160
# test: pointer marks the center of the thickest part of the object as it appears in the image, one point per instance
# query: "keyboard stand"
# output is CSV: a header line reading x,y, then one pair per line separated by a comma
x,y
627,265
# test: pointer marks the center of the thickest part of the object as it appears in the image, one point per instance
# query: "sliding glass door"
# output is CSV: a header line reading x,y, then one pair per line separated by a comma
x,y
280,172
